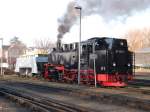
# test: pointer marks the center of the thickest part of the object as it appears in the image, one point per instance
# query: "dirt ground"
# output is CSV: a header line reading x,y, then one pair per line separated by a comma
x,y
8,106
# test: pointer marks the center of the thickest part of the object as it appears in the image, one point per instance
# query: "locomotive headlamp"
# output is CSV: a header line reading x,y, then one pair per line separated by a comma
x,y
114,64
121,43
103,68
129,64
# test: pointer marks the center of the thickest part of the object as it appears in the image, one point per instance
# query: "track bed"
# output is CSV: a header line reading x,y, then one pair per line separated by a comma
x,y
8,106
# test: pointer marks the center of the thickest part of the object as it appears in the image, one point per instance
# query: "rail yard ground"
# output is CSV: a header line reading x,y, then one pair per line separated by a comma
x,y
134,98
8,106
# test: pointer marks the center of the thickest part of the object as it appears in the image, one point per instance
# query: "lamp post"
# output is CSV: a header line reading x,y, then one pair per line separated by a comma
x,y
79,45
1,56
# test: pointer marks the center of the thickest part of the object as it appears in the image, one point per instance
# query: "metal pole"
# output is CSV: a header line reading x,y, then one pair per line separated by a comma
x,y
94,65
79,63
79,46
1,56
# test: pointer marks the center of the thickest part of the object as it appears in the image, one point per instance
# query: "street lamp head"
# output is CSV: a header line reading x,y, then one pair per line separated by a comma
x,y
78,7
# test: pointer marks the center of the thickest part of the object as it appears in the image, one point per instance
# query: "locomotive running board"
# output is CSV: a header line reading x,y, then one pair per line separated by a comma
x,y
114,84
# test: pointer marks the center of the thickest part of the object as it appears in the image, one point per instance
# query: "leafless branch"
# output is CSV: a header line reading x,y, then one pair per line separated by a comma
x,y
138,38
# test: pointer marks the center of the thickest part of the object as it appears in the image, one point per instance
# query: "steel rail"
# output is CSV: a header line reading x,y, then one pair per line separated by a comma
x,y
134,90
41,104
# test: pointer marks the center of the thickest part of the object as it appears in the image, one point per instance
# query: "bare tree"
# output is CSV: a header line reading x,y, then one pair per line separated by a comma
x,y
138,38
16,49
44,45
146,34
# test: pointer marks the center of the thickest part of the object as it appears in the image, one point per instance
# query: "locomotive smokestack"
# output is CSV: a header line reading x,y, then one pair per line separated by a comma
x,y
59,37
58,44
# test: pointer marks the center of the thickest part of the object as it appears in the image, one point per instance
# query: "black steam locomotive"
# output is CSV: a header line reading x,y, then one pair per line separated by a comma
x,y
110,57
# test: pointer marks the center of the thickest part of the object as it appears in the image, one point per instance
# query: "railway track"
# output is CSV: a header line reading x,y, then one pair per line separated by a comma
x,y
45,104
139,86
134,90
40,104
136,86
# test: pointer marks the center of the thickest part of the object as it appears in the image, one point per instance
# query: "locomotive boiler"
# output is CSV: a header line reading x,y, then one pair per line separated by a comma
x,y
113,62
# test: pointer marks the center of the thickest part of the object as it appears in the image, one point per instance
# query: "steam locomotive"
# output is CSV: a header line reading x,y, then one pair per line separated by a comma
x,y
108,57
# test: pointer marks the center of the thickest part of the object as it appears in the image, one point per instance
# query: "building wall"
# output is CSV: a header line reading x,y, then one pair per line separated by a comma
x,y
5,56
142,59
14,51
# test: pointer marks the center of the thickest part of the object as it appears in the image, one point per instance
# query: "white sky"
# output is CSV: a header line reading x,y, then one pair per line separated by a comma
x,y
31,19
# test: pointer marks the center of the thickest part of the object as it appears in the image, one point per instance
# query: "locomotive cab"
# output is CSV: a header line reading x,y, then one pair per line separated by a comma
x,y
114,61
